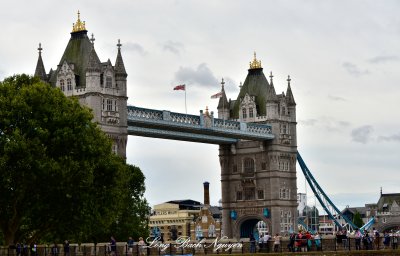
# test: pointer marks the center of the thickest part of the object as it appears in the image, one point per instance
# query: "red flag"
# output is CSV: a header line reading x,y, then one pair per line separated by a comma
x,y
217,95
180,87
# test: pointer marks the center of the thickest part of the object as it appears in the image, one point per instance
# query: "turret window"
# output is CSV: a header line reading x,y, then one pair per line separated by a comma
x,y
62,85
69,84
251,112
244,113
248,165
109,105
283,111
108,82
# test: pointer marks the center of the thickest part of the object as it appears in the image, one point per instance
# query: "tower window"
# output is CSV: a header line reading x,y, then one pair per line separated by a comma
x,y
244,113
283,111
238,195
62,85
108,82
69,84
109,105
248,165
234,168
260,194
249,193
251,114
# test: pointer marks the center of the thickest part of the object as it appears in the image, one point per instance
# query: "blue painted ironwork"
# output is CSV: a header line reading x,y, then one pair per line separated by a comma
x,y
202,128
183,136
367,225
332,211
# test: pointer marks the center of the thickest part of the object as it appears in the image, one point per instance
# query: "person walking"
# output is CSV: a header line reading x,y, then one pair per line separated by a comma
x,y
357,239
129,245
142,245
277,242
252,243
66,248
113,245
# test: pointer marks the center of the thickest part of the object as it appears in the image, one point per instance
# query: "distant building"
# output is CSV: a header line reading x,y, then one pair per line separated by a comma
x,y
326,225
301,203
173,218
186,218
386,212
208,223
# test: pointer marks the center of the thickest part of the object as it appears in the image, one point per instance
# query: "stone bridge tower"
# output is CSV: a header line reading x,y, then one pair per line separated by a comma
x,y
258,179
98,85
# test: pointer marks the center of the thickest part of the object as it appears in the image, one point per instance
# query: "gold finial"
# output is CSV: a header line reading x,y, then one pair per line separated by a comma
x,y
78,25
255,63
207,113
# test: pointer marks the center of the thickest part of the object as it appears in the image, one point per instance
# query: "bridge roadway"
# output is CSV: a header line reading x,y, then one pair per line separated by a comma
x,y
203,128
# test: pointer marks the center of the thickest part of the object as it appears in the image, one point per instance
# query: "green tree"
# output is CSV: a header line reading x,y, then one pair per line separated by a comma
x,y
357,220
59,178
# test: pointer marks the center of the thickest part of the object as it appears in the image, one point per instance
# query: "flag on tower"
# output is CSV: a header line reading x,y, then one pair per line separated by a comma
x,y
216,96
180,87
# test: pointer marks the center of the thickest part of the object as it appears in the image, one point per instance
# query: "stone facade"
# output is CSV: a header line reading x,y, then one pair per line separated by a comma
x,y
98,85
258,179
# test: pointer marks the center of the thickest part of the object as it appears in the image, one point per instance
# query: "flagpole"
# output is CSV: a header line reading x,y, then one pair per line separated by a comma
x,y
185,101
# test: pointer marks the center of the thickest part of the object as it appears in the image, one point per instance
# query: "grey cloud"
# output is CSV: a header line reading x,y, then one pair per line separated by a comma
x,y
362,134
308,122
202,76
135,47
394,137
383,59
336,98
354,69
327,122
174,47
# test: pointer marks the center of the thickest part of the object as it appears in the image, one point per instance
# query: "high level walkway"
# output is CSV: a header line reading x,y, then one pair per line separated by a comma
x,y
203,128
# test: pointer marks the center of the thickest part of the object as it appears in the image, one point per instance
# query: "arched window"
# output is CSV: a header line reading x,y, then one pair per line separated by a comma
x,y
251,114
62,85
244,113
248,165
283,110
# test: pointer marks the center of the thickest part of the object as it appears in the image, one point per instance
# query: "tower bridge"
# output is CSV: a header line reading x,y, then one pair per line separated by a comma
x,y
256,132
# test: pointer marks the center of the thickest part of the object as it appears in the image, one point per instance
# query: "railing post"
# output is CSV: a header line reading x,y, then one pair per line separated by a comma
x,y
243,126
201,118
166,115
95,249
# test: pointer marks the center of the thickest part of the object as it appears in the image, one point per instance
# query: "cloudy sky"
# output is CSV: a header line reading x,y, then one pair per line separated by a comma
x,y
343,58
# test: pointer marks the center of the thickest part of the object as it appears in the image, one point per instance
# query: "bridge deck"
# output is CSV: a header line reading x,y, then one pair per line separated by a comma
x,y
202,128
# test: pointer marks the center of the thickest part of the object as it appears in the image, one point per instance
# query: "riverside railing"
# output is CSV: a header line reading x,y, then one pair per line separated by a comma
x,y
211,247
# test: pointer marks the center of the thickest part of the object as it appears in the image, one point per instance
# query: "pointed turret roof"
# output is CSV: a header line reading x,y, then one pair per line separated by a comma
x,y
271,93
256,84
289,94
94,63
40,71
78,51
119,62
223,101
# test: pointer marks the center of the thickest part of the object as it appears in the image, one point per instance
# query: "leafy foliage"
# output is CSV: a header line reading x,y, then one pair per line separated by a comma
x,y
59,178
357,220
